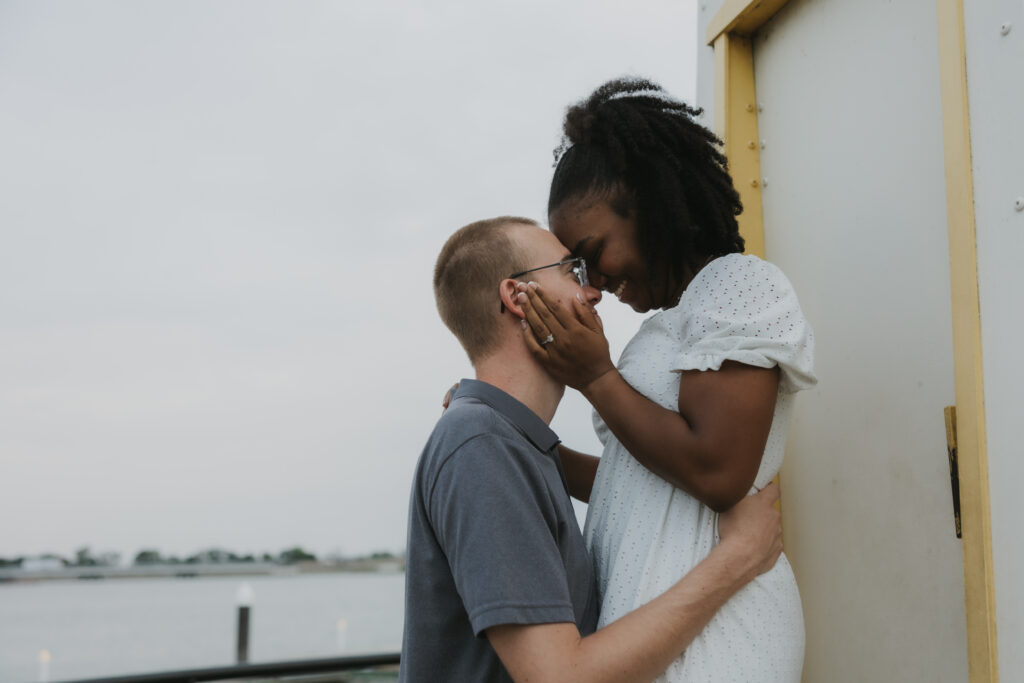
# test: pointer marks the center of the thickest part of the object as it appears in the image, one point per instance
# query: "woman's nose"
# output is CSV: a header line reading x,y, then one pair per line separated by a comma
x,y
592,294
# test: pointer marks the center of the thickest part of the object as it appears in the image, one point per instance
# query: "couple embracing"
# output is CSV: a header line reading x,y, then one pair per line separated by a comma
x,y
678,574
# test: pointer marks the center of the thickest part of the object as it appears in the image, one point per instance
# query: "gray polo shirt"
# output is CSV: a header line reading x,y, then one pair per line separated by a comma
x,y
492,539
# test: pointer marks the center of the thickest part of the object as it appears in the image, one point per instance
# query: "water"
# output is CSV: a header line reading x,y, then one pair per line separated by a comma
x,y
116,627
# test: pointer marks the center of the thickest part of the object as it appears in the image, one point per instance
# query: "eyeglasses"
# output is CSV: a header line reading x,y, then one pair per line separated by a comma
x,y
579,269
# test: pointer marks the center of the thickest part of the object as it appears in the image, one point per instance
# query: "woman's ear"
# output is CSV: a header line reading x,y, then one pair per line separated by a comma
x,y
509,298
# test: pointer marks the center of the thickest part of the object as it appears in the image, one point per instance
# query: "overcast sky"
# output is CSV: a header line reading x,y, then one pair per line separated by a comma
x,y
218,222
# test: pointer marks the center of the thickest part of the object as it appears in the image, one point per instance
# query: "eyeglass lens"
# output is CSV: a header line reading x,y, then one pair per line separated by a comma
x,y
580,270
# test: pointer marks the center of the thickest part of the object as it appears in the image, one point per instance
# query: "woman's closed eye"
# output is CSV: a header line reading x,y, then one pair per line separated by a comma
x,y
592,261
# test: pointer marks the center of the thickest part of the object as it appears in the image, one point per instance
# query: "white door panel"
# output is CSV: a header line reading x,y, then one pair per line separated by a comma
x,y
854,213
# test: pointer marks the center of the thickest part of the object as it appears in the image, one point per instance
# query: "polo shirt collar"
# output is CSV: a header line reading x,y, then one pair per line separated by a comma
x,y
527,421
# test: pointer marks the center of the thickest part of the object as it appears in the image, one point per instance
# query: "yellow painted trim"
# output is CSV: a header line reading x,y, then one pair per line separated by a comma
x,y
736,124
741,17
979,583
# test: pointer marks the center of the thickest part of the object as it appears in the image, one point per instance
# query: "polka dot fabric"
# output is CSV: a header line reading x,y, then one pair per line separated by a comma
x,y
644,534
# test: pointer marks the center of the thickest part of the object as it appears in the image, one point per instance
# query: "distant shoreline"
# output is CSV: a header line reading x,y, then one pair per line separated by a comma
x,y
197,570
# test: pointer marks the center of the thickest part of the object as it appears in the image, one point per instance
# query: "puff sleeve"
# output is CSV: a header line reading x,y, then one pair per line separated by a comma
x,y
741,308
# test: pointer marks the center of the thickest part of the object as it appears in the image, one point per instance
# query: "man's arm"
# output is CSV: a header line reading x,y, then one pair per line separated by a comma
x,y
641,645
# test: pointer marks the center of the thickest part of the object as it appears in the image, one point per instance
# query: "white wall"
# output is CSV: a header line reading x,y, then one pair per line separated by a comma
x,y
854,212
706,10
995,84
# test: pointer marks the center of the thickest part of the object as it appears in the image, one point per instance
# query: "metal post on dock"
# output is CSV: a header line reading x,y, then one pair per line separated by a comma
x,y
342,635
44,667
244,604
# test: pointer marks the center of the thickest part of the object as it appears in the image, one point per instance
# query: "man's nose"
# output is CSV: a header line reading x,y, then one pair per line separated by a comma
x,y
592,295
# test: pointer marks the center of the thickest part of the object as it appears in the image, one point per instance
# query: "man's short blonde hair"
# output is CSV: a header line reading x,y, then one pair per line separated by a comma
x,y
471,264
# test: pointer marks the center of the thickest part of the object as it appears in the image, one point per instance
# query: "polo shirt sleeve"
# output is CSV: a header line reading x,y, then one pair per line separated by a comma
x,y
495,520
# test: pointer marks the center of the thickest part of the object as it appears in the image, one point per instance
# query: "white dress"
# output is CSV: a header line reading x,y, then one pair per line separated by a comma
x,y
643,533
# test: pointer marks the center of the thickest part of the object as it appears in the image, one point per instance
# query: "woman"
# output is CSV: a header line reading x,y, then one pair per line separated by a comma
x,y
694,416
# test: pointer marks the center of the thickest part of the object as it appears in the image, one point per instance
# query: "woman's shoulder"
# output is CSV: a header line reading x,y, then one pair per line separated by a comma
x,y
735,275
742,308
738,267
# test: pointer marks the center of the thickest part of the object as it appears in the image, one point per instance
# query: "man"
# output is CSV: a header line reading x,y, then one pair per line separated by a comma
x,y
498,583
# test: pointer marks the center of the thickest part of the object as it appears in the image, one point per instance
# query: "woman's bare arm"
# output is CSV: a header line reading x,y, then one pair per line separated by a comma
x,y
580,470
711,447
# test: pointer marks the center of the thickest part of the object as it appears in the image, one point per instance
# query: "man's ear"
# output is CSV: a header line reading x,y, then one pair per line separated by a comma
x,y
509,297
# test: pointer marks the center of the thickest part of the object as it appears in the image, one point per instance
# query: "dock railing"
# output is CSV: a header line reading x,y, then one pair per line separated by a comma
x,y
266,670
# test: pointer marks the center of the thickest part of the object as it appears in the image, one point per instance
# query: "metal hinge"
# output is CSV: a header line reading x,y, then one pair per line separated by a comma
x,y
954,468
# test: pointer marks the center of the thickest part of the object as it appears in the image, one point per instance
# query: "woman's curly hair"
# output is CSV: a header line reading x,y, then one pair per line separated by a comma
x,y
632,145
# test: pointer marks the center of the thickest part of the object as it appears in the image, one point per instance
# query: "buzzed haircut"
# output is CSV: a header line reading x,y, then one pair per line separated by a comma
x,y
471,264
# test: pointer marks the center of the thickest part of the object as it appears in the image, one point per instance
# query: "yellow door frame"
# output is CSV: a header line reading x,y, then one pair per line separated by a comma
x,y
736,107
972,453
